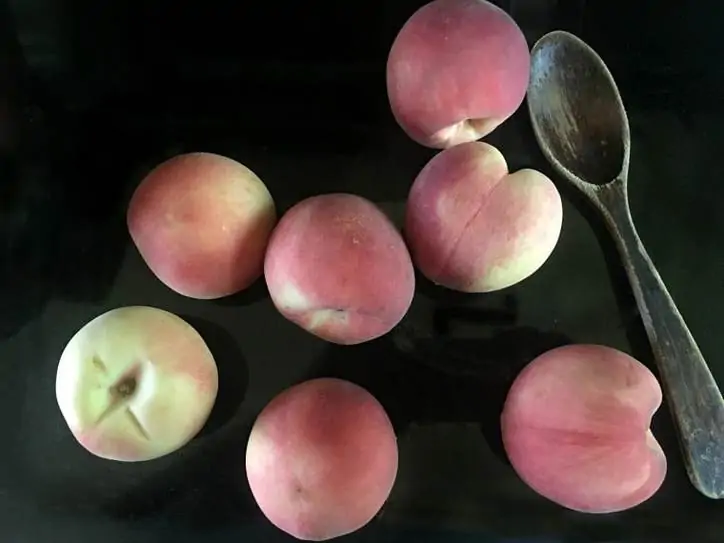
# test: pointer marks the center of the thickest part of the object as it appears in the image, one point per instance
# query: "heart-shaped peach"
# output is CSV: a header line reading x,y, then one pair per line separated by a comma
x,y
472,226
576,429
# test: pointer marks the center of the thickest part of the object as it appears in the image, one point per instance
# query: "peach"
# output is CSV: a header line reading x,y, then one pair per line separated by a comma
x,y
473,227
456,70
202,222
322,459
576,429
337,267
136,383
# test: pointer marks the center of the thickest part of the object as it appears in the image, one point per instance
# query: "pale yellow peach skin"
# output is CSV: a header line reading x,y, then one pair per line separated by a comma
x,y
136,383
473,227
322,459
456,70
576,429
337,267
202,223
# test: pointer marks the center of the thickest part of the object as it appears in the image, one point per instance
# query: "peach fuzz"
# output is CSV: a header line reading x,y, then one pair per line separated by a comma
x,y
322,459
456,70
136,383
202,222
337,267
473,227
576,429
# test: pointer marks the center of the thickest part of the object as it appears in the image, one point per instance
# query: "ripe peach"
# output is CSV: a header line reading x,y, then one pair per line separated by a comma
x,y
136,383
337,267
202,222
322,459
473,227
456,70
576,429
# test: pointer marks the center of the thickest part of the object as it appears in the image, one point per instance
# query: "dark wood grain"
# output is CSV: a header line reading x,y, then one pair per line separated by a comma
x,y
582,128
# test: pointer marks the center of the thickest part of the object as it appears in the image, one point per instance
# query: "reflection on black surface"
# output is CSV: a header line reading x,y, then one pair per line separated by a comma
x,y
479,373
447,315
422,380
256,292
115,88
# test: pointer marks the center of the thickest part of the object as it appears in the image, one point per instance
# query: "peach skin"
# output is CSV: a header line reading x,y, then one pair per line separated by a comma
x,y
576,429
473,227
456,70
202,223
337,267
136,383
322,459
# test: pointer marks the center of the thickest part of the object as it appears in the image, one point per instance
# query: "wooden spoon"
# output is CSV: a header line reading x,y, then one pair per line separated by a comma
x,y
581,126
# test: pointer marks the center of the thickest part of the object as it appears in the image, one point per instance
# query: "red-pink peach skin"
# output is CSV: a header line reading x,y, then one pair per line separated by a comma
x,y
576,429
136,383
322,459
473,227
337,267
456,70
202,223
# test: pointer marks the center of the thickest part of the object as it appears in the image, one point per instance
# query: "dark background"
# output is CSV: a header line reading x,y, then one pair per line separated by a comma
x,y
93,94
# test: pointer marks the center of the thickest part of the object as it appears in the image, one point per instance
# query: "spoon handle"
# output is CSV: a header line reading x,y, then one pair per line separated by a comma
x,y
693,396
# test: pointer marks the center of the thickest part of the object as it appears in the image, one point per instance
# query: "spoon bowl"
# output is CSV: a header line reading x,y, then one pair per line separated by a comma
x,y
578,110
581,126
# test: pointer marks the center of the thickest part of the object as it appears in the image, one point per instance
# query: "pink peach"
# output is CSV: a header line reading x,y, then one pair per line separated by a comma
x,y
456,70
576,429
202,222
337,267
322,459
136,383
473,227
